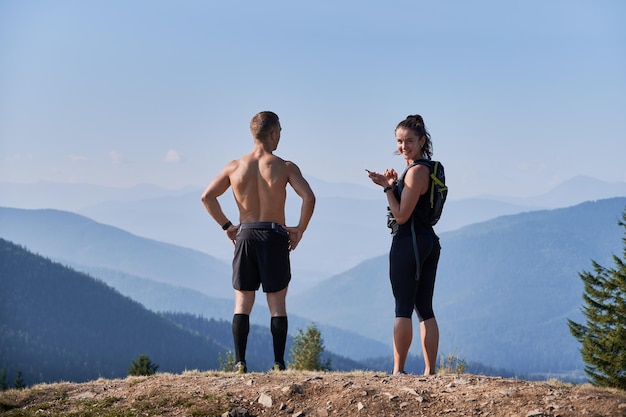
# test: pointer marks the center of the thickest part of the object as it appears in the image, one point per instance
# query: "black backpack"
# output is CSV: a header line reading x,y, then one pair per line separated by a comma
x,y
438,190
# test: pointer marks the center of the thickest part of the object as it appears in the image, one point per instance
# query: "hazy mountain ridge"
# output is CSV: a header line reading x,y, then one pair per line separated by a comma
x,y
347,228
76,239
184,280
517,250
75,196
505,288
570,192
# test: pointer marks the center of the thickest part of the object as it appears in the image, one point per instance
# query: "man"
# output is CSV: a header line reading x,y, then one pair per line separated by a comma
x,y
262,240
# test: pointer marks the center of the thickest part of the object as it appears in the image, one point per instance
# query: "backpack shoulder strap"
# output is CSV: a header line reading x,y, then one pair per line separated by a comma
x,y
427,162
417,162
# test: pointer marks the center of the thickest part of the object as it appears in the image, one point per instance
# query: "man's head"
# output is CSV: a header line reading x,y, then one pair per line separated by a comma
x,y
263,124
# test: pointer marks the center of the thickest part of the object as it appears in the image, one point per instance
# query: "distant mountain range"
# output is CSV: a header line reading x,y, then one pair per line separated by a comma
x,y
505,287
348,226
71,238
163,277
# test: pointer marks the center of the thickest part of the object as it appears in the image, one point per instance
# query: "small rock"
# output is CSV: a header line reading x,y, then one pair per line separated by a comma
x,y
360,406
536,413
293,389
265,400
391,396
410,391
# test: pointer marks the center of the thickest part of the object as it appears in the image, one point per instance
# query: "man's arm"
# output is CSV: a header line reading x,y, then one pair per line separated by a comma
x,y
304,191
216,188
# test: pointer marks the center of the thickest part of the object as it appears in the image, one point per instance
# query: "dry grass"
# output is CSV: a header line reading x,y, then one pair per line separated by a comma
x,y
292,393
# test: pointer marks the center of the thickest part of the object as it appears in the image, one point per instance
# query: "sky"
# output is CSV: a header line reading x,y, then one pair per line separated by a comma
x,y
518,96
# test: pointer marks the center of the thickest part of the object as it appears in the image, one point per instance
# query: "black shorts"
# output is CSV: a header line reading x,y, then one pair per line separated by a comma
x,y
261,257
409,293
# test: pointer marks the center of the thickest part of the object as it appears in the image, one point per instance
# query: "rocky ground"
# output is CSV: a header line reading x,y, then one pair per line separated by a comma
x,y
297,394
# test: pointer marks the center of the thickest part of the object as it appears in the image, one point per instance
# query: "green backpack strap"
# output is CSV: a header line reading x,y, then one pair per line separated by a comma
x,y
435,180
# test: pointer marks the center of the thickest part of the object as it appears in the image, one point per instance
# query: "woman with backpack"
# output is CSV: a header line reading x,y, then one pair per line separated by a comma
x,y
415,248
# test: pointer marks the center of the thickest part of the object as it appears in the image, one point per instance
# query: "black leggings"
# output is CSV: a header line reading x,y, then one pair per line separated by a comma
x,y
409,293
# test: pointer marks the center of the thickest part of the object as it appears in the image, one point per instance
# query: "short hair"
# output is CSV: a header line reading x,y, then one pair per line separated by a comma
x,y
262,124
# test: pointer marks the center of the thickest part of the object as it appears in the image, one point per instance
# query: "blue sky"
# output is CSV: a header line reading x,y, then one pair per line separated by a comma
x,y
518,96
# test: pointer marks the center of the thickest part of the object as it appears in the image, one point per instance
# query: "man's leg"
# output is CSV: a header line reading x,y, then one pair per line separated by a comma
x,y
278,310
244,300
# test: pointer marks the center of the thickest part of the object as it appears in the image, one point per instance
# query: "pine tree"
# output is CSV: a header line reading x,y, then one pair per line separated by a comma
x,y
603,337
306,351
143,366
227,363
19,382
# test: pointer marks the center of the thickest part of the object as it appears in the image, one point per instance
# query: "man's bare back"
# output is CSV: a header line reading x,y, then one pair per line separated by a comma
x,y
259,182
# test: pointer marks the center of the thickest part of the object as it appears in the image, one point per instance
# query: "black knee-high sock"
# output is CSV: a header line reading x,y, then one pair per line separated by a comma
x,y
241,328
279,335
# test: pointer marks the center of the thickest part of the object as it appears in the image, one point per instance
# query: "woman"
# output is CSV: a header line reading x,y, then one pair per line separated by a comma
x,y
415,248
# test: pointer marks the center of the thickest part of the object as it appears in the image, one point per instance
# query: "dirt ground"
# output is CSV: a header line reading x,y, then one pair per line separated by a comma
x,y
297,394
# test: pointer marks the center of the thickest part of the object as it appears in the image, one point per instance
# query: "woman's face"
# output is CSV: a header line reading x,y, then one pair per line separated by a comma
x,y
409,145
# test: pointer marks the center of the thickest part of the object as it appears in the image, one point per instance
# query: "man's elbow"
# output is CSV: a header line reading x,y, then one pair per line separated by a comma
x,y
206,198
310,199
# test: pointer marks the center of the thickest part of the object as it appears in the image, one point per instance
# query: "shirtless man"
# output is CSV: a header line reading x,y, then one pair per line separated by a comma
x,y
262,240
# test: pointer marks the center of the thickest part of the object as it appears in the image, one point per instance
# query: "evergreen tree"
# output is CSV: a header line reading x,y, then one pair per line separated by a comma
x,y
227,363
143,366
603,337
306,351
19,382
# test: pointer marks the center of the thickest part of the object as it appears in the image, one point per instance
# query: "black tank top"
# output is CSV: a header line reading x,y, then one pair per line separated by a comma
x,y
420,212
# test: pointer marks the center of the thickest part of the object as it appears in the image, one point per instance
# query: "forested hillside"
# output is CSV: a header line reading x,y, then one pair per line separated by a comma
x,y
59,324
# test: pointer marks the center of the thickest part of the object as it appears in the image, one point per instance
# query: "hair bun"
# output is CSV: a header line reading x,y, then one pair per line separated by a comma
x,y
418,117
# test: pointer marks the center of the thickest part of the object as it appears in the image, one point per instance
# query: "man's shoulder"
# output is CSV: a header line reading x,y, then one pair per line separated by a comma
x,y
277,160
